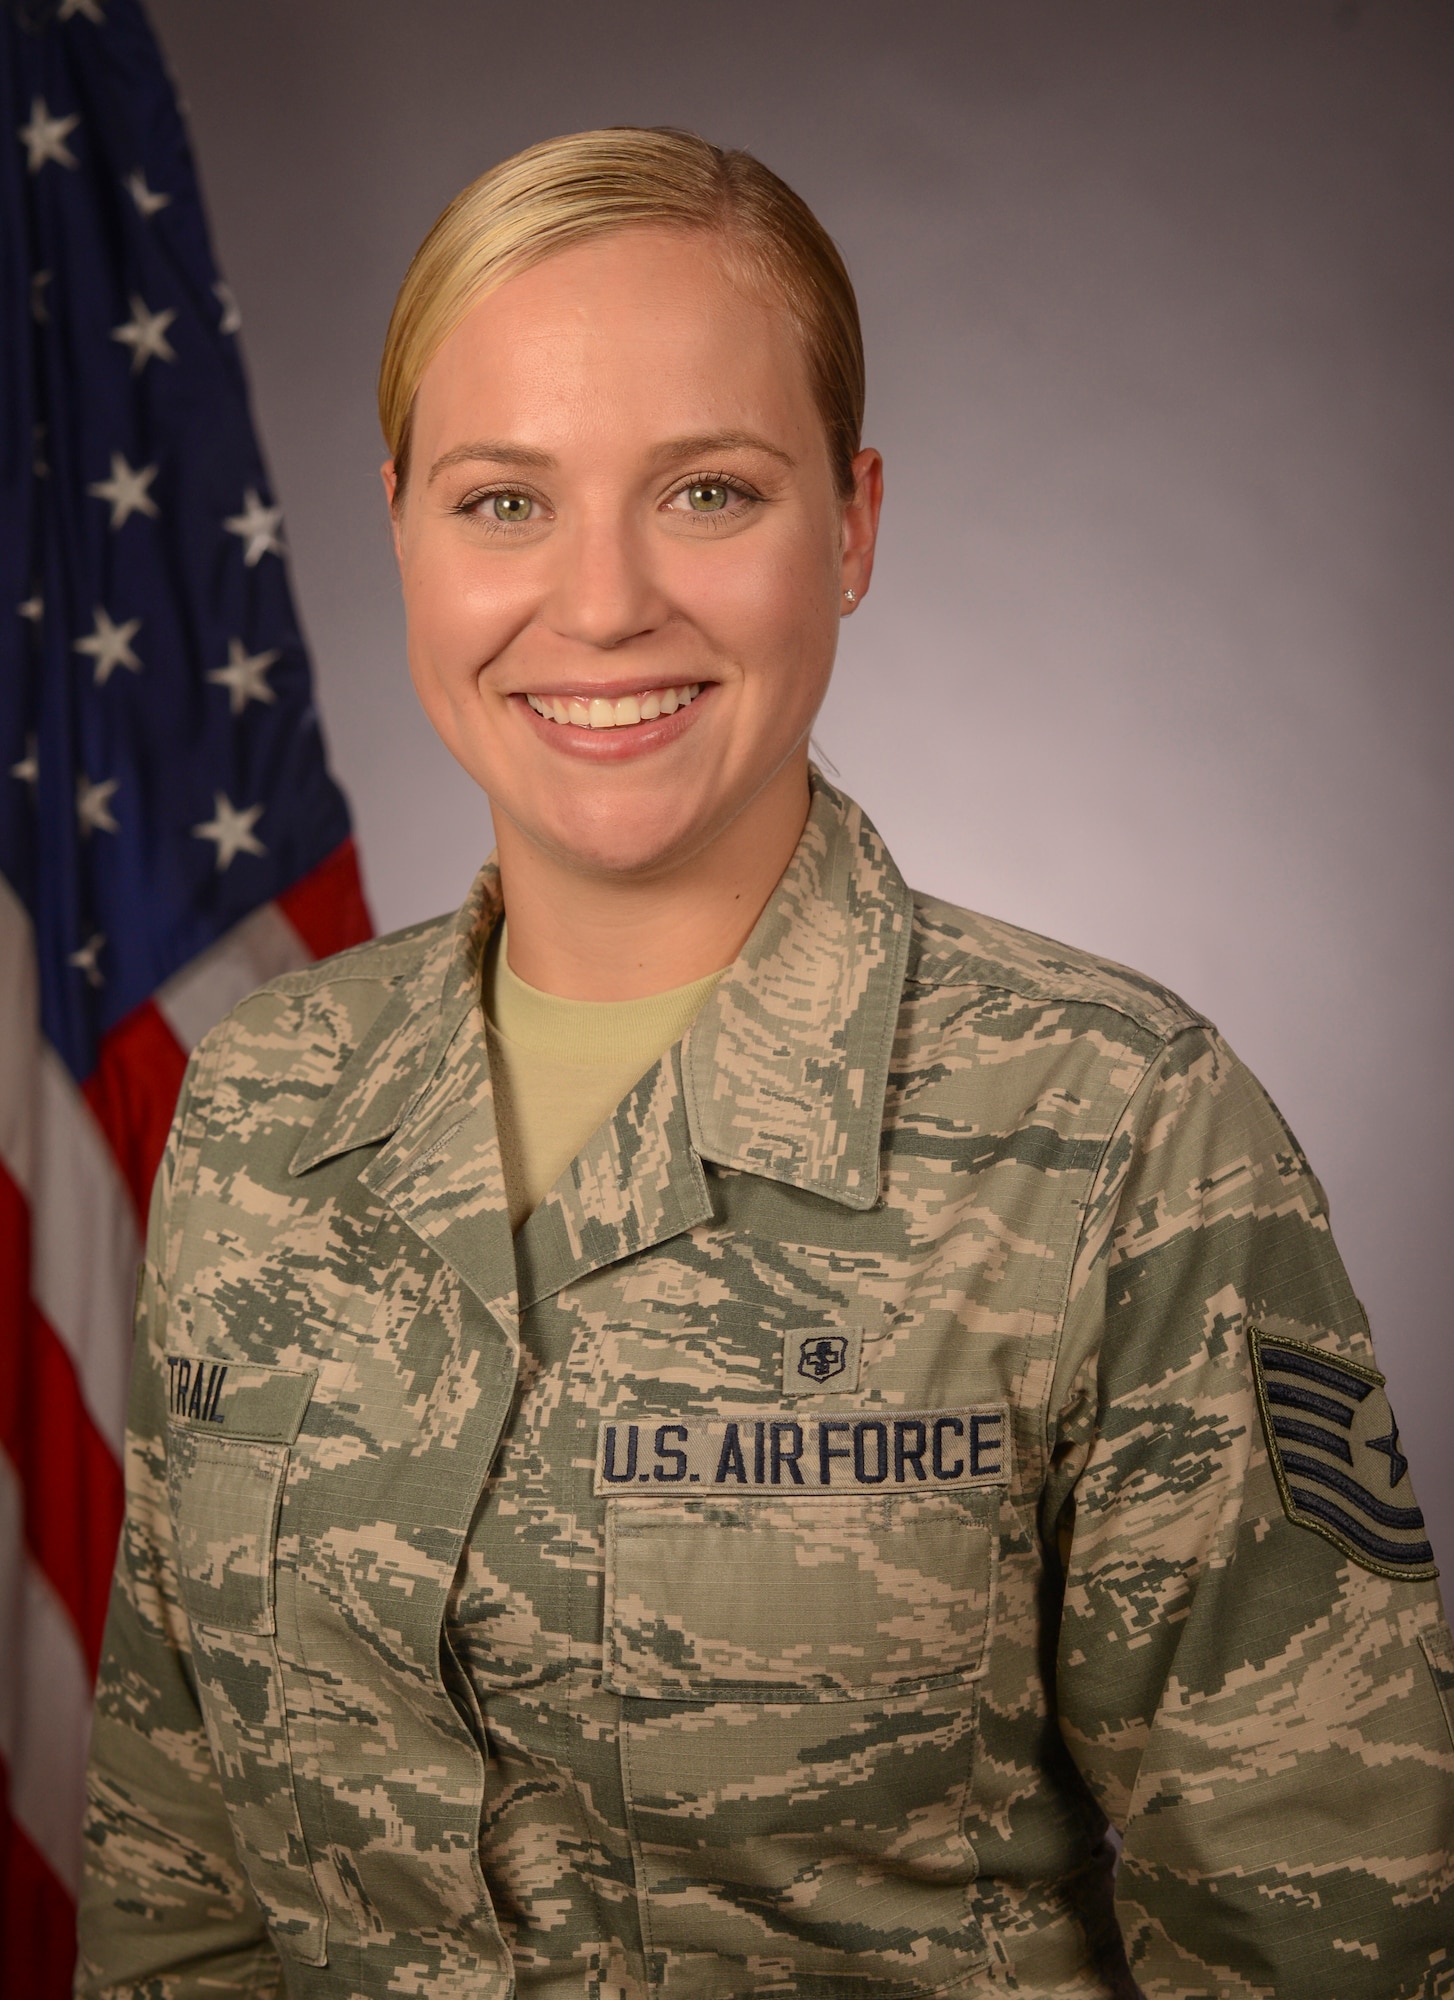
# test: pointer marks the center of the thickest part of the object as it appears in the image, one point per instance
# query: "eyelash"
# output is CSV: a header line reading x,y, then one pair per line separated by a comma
x,y
476,500
733,484
473,501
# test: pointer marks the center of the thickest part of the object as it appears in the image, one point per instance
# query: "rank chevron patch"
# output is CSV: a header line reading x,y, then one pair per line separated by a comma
x,y
1335,1454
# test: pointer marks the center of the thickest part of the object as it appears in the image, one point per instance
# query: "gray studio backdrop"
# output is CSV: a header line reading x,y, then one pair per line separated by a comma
x,y
1158,304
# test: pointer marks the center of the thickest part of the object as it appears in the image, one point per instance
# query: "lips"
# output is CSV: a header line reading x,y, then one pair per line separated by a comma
x,y
622,712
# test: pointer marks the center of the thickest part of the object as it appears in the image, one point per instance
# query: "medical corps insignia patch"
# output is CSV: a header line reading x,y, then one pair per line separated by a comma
x,y
813,1360
823,1357
1335,1455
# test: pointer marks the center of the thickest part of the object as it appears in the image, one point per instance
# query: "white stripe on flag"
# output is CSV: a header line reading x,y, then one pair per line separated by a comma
x,y
19,1026
84,1246
210,985
83,1241
84,1252
45,1699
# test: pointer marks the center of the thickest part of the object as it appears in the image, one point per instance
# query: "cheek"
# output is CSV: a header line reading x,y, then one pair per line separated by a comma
x,y
769,605
794,631
458,618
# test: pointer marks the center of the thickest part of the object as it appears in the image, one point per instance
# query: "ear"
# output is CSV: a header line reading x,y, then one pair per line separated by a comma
x,y
391,493
860,522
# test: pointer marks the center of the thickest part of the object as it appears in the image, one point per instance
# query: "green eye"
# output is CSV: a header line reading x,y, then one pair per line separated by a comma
x,y
512,506
708,499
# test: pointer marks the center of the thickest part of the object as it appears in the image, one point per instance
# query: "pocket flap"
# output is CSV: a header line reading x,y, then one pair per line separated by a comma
x,y
238,1399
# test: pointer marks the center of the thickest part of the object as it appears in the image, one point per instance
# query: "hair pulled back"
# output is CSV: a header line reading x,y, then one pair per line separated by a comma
x,y
587,184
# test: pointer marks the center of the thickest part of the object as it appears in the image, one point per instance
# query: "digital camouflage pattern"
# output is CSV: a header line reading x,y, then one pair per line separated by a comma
x,y
771,1572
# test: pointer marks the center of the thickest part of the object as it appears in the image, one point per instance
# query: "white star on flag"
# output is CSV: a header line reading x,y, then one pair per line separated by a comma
x,y
148,201
110,646
258,526
126,490
245,676
84,960
33,608
44,138
145,333
90,8
38,310
93,805
232,830
231,318
28,769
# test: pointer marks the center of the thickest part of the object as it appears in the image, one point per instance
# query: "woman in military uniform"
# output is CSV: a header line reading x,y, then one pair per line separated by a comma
x,y
712,1424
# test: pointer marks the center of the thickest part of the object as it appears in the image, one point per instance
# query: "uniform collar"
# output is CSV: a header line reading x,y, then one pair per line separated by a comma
x,y
399,1055
784,1072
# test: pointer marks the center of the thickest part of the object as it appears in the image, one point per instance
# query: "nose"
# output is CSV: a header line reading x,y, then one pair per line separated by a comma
x,y
603,592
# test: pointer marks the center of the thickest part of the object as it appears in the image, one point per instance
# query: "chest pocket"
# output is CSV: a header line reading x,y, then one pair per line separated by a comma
x,y
836,1597
799,1683
230,1428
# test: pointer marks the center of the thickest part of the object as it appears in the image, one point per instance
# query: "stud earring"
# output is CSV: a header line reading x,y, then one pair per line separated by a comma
x,y
850,596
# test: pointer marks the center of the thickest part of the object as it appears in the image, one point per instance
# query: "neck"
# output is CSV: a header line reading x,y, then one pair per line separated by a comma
x,y
591,935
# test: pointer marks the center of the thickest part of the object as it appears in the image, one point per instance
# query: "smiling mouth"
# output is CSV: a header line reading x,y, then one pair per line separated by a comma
x,y
598,712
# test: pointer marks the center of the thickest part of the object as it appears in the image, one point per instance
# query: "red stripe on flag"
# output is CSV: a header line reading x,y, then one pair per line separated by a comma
x,y
37,1918
71,1484
133,1089
327,908
133,1093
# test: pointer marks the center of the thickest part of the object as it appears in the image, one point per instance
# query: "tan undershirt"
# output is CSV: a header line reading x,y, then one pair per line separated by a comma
x,y
559,1067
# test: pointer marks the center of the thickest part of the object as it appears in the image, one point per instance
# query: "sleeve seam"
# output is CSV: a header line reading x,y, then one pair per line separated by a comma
x,y
1129,1115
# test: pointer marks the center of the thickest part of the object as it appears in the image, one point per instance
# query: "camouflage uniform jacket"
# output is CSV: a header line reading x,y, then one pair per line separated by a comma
x,y
881,1460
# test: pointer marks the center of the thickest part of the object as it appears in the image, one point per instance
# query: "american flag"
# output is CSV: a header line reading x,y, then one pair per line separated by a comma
x,y
169,833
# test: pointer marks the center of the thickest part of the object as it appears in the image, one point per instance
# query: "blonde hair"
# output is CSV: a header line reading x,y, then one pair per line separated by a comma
x,y
568,190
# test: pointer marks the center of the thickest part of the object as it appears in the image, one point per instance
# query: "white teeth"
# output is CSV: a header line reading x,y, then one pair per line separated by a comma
x,y
601,713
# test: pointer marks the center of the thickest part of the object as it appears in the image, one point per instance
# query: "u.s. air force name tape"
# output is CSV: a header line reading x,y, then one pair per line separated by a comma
x,y
776,1452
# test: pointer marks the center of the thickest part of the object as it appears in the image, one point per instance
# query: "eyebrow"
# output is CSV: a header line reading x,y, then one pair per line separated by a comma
x,y
496,451
707,442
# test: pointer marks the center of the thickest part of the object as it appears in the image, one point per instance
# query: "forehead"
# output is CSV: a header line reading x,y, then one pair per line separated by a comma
x,y
642,328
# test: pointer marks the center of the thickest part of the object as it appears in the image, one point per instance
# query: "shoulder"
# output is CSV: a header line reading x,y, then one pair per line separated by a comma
x,y
264,1076
1091,1032
954,953
382,962
305,1025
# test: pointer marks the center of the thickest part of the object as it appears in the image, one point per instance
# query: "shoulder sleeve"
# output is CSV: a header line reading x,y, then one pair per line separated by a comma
x,y
164,1907
1254,1698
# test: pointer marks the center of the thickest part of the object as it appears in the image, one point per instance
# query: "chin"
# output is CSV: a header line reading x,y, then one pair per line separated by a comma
x,y
644,838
